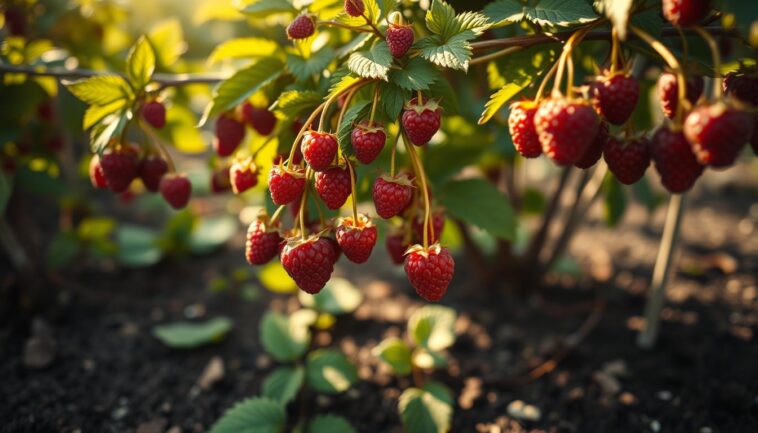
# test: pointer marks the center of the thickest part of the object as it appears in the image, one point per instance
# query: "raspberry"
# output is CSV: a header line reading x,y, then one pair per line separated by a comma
x,y
155,114
119,167
262,242
717,133
243,175
595,151
260,119
368,141
176,190
220,181
310,262
674,160
354,8
392,194
46,111
296,159
96,175
285,184
356,239
565,128
421,121
742,85
627,160
399,39
319,149
151,169
521,127
615,97
429,270
435,228
301,27
685,13
333,186
668,92
335,247
229,135
396,247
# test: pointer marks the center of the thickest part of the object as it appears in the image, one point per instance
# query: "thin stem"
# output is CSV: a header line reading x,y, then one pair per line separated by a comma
x,y
158,145
495,55
570,77
277,214
345,26
646,339
325,105
353,192
421,176
373,105
263,145
566,54
394,151
319,209
348,99
716,54
419,97
614,50
543,84
303,198
532,253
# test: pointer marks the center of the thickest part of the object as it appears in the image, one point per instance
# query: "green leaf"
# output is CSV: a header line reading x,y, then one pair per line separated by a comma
x,y
254,415
417,74
644,193
614,200
187,335
96,113
618,12
242,48
392,100
137,246
283,383
440,391
500,98
372,11
442,20
242,84
454,53
264,8
292,103
428,359
433,327
357,111
140,64
102,133
355,44
211,233
448,99
423,412
477,202
373,63
504,12
339,296
304,69
341,82
561,13
329,371
330,424
275,279
101,90
6,189
395,353
283,339
181,130
167,39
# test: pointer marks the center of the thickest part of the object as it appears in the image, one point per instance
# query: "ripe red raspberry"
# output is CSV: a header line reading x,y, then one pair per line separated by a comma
x,y
392,194
151,169
429,270
176,190
615,97
119,167
595,151
627,159
717,133
319,149
685,13
354,8
285,184
399,39
333,186
229,135
262,242
243,175
335,247
368,141
356,239
260,119
565,128
296,159
674,160
301,27
220,182
435,228
310,262
421,121
155,114
668,91
743,85
96,175
521,127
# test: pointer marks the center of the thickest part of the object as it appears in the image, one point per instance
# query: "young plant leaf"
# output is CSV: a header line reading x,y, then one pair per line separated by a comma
x,y
283,339
392,100
424,412
242,48
372,63
339,296
187,335
329,371
264,8
305,68
137,246
293,102
254,415
330,424
211,233
477,202
433,327
101,90
395,353
284,383
140,63
417,74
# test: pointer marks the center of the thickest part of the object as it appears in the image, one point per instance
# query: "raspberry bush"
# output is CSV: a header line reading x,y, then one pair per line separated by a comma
x,y
360,128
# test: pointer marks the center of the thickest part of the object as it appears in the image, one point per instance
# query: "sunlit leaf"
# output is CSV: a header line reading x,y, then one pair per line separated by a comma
x,y
372,63
282,338
395,353
283,383
242,48
339,296
329,371
424,412
140,63
187,335
478,202
254,415
432,326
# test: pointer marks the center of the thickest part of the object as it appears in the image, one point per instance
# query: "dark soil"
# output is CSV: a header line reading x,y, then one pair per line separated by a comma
x,y
111,375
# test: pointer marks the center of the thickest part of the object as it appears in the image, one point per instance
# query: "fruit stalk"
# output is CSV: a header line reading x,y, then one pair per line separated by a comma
x,y
646,339
716,54
353,192
303,200
421,175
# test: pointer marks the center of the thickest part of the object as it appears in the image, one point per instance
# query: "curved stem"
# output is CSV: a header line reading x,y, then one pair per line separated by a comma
x,y
263,145
495,55
394,151
277,214
715,52
614,50
345,26
348,99
303,198
421,176
547,77
373,105
353,192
